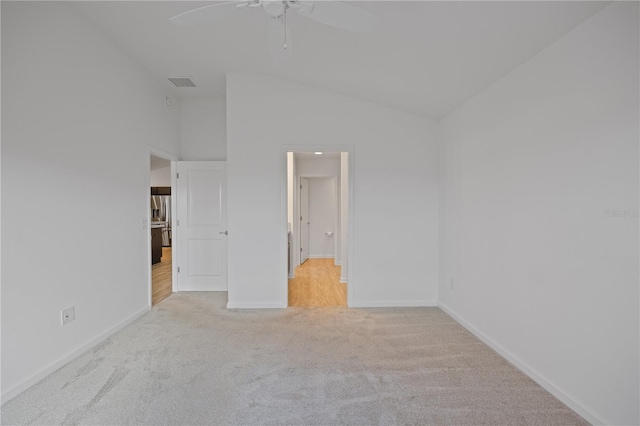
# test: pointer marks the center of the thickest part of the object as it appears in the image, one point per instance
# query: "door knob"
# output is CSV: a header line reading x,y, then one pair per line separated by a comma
x,y
225,232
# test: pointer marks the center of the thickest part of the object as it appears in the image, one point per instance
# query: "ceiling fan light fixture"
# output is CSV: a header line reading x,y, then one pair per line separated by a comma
x,y
254,3
337,14
302,8
274,8
318,153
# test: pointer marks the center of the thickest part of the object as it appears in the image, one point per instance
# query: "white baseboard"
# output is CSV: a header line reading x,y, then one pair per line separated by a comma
x,y
320,256
204,288
343,280
17,390
588,414
256,305
292,276
394,304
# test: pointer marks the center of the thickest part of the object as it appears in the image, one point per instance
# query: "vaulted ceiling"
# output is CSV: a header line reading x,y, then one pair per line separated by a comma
x,y
423,57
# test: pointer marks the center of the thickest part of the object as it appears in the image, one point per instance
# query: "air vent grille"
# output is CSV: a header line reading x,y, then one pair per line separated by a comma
x,y
182,81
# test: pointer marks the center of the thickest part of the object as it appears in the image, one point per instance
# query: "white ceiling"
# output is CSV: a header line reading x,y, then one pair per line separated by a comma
x,y
158,163
424,57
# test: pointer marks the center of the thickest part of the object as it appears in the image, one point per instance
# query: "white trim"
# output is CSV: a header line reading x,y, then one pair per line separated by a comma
x,y
18,389
321,256
284,185
343,280
336,222
351,240
174,229
175,252
587,413
292,276
160,153
203,289
396,303
256,305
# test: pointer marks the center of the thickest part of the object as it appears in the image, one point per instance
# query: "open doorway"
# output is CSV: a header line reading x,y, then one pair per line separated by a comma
x,y
317,211
160,224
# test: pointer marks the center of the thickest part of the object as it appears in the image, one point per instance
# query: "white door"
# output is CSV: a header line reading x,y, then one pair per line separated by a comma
x,y
304,220
202,225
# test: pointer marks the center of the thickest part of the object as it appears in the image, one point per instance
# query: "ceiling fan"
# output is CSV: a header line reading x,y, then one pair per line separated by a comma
x,y
328,12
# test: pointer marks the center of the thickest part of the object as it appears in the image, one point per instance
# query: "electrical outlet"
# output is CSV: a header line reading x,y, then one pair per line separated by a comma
x,y
68,315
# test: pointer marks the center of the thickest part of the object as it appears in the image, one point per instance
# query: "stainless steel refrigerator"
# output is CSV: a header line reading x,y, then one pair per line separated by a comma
x,y
161,214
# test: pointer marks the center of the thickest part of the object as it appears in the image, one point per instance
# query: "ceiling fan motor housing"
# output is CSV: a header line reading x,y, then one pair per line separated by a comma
x,y
328,12
274,8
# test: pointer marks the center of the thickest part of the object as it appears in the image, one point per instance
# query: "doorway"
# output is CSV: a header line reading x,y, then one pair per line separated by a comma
x,y
161,208
317,212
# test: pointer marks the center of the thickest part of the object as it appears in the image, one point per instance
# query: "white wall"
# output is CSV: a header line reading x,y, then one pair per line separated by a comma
x,y
530,168
72,98
322,217
291,200
161,176
344,215
290,188
203,129
393,189
318,167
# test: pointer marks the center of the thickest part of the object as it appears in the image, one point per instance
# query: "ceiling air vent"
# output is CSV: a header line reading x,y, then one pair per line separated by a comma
x,y
182,81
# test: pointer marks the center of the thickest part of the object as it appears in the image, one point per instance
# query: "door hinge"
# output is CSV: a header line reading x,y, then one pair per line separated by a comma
x,y
300,186
177,222
300,249
178,269
177,175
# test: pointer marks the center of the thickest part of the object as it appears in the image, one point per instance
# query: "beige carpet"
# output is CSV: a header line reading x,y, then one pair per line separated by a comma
x,y
191,361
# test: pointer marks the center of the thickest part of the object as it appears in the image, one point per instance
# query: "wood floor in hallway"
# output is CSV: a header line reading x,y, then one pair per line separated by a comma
x,y
161,278
317,283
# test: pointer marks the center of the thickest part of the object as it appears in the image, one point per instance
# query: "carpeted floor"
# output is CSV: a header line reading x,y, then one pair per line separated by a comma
x,y
191,361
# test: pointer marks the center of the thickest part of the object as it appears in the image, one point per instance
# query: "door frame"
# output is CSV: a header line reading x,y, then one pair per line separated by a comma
x,y
297,212
351,284
174,258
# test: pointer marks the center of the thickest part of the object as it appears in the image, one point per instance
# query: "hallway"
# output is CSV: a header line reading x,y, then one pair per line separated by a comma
x,y
317,283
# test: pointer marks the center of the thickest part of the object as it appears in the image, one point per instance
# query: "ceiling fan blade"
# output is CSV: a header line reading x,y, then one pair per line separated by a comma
x,y
280,45
205,14
339,15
